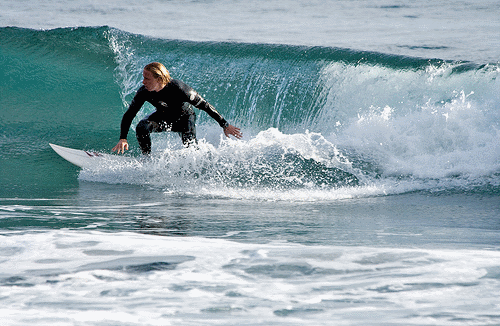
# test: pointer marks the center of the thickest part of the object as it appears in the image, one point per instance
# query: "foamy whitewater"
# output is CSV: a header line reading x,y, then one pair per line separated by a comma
x,y
365,190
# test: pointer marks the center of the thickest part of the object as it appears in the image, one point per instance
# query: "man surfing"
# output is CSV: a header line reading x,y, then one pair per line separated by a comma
x,y
172,100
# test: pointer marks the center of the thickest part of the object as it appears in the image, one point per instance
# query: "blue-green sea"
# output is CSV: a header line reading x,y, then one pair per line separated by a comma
x,y
365,191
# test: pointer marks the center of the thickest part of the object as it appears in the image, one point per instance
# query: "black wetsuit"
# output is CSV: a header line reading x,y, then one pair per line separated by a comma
x,y
173,113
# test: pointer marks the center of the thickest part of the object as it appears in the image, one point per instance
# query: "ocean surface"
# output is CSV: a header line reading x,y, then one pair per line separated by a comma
x,y
365,191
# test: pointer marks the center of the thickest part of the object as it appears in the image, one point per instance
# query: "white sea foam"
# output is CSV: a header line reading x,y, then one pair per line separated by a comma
x,y
423,150
110,278
429,124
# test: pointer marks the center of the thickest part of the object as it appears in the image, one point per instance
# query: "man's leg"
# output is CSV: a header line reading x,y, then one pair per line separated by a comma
x,y
143,130
188,136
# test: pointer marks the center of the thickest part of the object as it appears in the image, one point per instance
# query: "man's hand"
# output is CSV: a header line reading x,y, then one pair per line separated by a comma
x,y
121,146
232,130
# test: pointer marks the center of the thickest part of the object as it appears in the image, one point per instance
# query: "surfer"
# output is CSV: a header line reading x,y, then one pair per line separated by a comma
x,y
172,100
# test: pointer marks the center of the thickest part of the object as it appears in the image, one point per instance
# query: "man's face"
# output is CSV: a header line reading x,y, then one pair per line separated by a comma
x,y
151,83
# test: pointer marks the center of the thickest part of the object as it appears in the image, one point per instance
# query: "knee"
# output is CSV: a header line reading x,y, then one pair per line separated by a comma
x,y
142,128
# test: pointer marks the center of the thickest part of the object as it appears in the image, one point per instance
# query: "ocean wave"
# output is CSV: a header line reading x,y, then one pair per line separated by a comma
x,y
392,119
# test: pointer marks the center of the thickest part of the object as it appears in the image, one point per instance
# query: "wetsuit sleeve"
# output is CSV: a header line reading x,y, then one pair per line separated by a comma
x,y
200,103
130,114
208,108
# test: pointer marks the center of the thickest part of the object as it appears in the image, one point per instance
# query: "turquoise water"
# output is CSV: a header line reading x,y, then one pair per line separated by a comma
x,y
365,190
307,125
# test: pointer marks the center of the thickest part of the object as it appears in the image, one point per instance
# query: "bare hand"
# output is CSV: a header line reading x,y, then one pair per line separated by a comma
x,y
121,146
232,130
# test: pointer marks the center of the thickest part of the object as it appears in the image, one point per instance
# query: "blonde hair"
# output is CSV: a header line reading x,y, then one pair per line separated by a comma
x,y
159,71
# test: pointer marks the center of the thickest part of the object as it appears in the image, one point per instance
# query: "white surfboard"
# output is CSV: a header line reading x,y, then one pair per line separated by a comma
x,y
85,159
